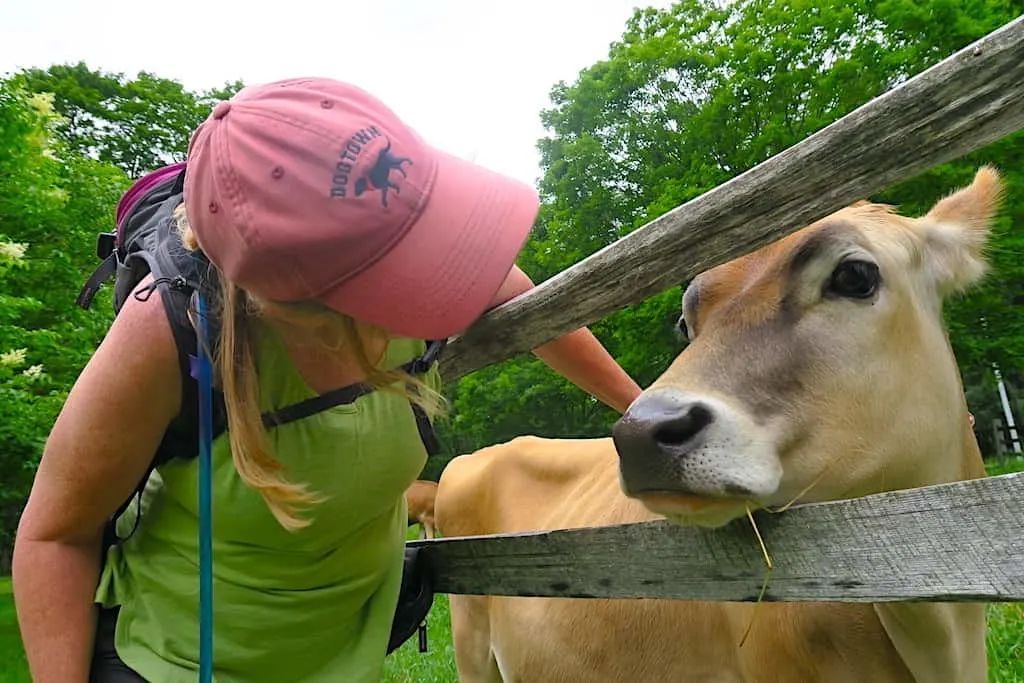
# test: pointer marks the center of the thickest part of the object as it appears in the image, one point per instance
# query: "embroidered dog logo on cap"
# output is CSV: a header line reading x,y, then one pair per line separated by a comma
x,y
379,175
354,164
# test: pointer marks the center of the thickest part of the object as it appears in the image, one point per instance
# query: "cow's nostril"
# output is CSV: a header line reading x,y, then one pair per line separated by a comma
x,y
690,422
655,438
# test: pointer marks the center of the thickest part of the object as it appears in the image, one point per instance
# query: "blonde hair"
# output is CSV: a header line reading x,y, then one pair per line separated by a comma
x,y
241,314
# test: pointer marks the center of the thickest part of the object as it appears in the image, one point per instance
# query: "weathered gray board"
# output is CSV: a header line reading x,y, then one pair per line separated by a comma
x,y
961,104
957,542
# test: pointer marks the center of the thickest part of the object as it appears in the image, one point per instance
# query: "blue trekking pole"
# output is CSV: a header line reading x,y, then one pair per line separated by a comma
x,y
205,377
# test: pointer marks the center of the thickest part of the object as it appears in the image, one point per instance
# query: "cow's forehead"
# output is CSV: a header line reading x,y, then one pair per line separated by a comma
x,y
871,227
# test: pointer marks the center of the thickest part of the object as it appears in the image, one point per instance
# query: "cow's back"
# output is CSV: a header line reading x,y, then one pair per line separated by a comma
x,y
532,483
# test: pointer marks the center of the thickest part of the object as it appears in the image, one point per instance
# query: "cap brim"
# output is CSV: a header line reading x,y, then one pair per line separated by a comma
x,y
446,270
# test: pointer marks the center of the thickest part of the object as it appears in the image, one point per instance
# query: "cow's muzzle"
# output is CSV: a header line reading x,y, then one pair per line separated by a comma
x,y
654,438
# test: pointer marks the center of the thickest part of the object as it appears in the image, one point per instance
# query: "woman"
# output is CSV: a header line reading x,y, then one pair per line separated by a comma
x,y
341,242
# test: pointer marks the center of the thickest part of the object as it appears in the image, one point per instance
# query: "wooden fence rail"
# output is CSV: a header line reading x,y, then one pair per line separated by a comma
x,y
965,102
954,542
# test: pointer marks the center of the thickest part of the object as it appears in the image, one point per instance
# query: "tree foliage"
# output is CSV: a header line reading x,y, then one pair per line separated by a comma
x,y
694,95
137,124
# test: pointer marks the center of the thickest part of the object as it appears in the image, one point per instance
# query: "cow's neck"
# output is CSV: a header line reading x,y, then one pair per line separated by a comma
x,y
972,463
942,641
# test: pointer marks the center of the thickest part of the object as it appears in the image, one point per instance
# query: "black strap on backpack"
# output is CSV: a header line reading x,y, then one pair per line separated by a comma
x,y
145,242
415,599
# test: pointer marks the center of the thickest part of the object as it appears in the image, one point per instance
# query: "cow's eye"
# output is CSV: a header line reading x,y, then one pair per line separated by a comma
x,y
681,326
854,279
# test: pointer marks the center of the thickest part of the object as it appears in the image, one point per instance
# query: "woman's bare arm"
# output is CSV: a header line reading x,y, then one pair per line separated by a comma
x,y
97,452
578,356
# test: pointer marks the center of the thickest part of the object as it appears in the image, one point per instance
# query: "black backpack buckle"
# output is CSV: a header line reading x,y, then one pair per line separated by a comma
x,y
420,365
106,242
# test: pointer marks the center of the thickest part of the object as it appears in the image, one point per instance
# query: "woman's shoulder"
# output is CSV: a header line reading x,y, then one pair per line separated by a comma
x,y
141,331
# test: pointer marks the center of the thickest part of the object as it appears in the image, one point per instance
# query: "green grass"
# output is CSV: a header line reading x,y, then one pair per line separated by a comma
x,y
437,665
1006,642
13,667
405,665
1006,621
1011,464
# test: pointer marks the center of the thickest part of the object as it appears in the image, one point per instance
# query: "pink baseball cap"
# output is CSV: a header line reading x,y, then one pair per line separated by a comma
x,y
313,189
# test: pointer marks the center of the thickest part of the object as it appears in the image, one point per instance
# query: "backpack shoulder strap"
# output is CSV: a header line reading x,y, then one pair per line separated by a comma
x,y
348,394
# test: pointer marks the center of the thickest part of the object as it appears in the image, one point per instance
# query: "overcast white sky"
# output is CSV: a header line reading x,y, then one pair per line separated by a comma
x,y
470,75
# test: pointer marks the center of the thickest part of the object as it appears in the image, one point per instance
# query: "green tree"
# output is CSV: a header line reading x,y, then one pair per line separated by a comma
x,y
137,124
694,95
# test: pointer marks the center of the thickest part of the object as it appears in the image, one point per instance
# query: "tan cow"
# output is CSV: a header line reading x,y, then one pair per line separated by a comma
x,y
419,498
818,369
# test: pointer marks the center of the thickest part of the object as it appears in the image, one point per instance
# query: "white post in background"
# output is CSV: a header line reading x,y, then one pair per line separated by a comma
x,y
1007,412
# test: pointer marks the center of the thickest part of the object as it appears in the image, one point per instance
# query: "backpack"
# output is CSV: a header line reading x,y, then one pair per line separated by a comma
x,y
146,241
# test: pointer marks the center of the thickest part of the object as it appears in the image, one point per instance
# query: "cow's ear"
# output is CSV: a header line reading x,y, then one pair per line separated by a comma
x,y
956,231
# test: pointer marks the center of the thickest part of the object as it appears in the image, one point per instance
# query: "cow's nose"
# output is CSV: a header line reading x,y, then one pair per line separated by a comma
x,y
652,438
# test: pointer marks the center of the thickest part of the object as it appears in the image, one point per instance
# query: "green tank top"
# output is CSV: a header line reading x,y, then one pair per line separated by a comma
x,y
309,606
